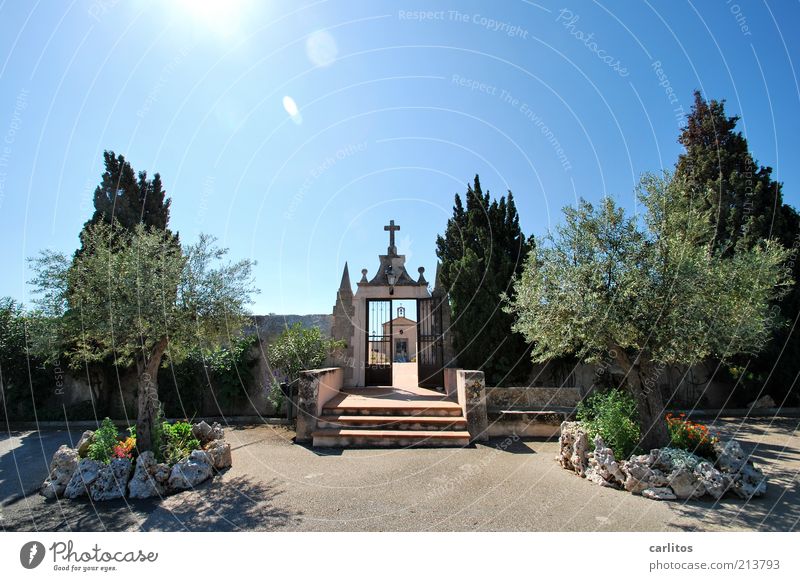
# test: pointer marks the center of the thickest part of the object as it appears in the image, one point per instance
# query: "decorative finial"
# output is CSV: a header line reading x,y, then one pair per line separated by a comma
x,y
363,275
421,280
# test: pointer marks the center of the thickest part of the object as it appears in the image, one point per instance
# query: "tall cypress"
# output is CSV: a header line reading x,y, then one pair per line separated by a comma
x,y
125,199
482,249
746,206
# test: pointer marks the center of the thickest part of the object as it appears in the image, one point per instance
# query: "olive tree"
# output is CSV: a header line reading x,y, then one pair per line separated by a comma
x,y
134,295
643,294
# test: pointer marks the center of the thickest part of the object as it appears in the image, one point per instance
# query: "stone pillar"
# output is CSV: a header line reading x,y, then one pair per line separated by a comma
x,y
475,405
470,389
315,388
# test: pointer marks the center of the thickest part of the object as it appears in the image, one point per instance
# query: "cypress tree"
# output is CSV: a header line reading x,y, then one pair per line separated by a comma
x,y
124,199
746,206
482,249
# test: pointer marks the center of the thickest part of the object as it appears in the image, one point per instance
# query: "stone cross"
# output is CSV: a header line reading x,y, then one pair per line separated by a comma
x,y
391,229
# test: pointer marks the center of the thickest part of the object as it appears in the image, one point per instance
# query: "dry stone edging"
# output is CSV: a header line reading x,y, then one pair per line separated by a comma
x,y
72,475
665,473
62,467
574,443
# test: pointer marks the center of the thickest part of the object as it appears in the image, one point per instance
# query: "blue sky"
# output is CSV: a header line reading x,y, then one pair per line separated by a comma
x,y
397,109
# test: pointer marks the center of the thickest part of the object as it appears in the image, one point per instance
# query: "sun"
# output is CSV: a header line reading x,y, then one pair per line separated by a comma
x,y
222,17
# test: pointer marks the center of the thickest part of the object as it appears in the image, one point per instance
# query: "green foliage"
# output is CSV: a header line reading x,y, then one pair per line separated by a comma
x,y
298,348
105,438
694,437
134,295
481,252
126,201
157,437
227,371
276,397
605,288
177,441
745,206
743,203
25,381
678,458
612,415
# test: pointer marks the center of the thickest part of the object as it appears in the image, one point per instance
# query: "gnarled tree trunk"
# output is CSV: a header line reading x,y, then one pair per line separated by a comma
x,y
148,396
649,403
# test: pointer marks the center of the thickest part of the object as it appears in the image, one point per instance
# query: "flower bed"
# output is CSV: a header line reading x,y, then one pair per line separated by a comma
x,y
666,473
105,466
691,436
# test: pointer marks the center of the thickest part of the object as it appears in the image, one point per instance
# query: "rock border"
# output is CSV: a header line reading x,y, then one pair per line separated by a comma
x,y
664,473
73,476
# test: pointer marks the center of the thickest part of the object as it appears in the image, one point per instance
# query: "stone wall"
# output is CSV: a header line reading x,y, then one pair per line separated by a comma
x,y
681,386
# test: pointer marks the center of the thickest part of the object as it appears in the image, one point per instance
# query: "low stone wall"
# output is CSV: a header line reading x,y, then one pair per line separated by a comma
x,y
531,398
530,411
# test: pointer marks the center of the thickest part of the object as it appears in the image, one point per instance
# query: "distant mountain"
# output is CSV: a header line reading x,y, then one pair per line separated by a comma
x,y
272,325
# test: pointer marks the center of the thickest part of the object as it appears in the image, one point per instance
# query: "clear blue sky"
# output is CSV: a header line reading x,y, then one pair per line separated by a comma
x,y
396,112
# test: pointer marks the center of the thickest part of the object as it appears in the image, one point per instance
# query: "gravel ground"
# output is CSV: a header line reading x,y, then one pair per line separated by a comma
x,y
501,486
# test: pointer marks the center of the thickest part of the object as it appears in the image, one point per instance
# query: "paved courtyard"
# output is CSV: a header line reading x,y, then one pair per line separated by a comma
x,y
502,486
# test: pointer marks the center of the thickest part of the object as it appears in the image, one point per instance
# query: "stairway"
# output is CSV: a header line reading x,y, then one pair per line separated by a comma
x,y
388,416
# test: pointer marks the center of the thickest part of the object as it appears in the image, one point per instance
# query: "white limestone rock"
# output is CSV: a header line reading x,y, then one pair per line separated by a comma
x,y
749,482
83,444
574,447
205,433
640,477
659,493
219,451
730,456
761,403
191,471
603,467
62,467
149,478
83,477
111,481
217,433
714,482
685,484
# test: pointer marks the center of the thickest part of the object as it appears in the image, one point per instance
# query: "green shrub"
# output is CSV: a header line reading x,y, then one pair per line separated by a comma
x,y
276,397
691,436
177,442
105,438
226,372
612,415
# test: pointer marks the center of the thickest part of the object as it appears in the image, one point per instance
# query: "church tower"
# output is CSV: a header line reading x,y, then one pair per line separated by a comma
x,y
343,327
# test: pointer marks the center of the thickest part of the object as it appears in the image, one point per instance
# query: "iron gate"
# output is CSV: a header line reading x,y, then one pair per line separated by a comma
x,y
378,370
430,345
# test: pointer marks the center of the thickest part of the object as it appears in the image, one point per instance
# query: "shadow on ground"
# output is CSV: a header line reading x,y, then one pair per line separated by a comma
x,y
222,505
772,447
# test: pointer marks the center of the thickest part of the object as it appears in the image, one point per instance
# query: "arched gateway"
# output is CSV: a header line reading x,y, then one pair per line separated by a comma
x,y
395,382
385,348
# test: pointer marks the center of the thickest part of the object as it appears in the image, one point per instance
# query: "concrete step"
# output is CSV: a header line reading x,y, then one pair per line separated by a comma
x,y
344,437
392,408
392,422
